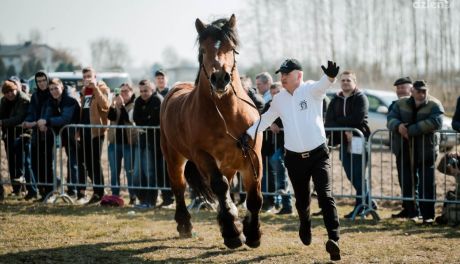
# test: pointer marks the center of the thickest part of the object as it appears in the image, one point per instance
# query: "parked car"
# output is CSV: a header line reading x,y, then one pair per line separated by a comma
x,y
379,101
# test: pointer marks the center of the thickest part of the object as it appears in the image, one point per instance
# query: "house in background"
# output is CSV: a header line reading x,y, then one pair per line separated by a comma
x,y
18,55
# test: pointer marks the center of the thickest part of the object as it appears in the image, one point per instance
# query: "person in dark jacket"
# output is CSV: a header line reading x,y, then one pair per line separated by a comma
x,y
122,140
161,84
148,168
349,108
13,110
403,89
42,142
456,118
256,98
61,110
414,121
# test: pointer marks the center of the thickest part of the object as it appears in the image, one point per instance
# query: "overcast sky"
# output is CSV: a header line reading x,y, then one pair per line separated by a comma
x,y
146,26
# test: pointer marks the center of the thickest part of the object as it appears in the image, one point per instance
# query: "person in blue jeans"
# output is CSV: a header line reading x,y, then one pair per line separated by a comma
x,y
122,140
277,163
61,109
149,159
277,160
349,108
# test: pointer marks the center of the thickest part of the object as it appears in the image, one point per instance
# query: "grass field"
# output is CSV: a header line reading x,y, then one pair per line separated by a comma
x,y
38,233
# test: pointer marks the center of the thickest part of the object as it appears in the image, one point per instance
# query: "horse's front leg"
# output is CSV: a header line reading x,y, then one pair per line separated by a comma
x,y
227,217
175,164
251,224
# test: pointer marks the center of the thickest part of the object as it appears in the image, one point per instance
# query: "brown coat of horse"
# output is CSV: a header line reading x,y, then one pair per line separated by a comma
x,y
200,124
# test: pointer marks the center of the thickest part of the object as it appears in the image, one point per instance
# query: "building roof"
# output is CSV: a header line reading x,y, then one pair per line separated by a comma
x,y
18,50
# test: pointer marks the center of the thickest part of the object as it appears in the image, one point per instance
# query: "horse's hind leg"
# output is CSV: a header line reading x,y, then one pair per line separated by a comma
x,y
176,165
229,223
251,224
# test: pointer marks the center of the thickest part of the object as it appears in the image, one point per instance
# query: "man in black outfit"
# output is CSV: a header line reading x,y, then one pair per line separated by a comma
x,y
148,163
161,83
300,108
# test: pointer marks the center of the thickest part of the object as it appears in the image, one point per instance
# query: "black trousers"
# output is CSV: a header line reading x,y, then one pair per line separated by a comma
x,y
92,147
42,161
314,164
406,182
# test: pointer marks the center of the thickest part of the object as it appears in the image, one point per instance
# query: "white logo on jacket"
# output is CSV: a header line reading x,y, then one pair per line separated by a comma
x,y
303,105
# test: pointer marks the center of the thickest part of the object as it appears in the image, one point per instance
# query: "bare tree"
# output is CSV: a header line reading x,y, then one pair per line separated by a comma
x,y
109,54
170,57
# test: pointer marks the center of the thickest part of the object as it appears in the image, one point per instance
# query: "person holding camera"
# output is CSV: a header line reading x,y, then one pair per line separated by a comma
x,y
94,111
122,140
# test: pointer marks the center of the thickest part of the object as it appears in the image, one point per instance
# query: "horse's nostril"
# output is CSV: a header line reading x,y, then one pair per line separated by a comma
x,y
227,78
213,79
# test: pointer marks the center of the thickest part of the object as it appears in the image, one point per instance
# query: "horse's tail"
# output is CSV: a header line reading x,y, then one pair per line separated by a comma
x,y
198,182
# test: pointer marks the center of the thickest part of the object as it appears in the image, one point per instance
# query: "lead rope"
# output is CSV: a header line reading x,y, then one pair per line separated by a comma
x,y
244,148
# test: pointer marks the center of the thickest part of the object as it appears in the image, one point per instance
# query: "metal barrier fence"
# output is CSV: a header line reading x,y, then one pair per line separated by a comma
x,y
384,172
394,178
75,171
132,152
27,157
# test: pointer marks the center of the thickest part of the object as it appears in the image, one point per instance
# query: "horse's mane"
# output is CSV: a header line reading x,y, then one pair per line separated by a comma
x,y
217,30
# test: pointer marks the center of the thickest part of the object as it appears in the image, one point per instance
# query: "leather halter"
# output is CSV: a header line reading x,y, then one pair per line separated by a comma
x,y
244,149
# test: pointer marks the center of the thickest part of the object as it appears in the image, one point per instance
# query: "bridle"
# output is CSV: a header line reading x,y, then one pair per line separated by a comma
x,y
244,148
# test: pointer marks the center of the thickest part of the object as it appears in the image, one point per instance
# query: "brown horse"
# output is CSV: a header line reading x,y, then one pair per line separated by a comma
x,y
199,127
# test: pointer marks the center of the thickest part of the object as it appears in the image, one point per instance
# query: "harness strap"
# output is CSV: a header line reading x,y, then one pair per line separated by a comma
x,y
244,149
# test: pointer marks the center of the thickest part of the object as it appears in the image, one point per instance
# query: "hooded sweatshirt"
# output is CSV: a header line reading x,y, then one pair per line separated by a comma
x,y
38,101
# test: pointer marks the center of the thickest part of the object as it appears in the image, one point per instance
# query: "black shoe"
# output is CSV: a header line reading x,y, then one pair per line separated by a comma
x,y
132,200
305,234
285,211
403,214
30,196
268,208
41,199
95,199
167,202
332,247
440,220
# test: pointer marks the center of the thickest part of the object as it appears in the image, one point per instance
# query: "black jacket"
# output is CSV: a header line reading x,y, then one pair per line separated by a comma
x,y
257,99
349,111
147,113
456,118
271,141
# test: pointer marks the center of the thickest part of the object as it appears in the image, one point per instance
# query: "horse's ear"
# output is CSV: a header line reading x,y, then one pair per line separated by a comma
x,y
199,26
232,21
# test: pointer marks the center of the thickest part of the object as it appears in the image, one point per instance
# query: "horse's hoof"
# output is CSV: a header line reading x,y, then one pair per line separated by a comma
x,y
253,244
235,242
184,231
185,234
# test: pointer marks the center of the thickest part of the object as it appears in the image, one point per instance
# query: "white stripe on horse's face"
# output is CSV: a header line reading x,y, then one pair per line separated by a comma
x,y
217,45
